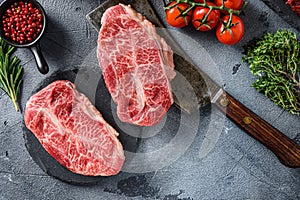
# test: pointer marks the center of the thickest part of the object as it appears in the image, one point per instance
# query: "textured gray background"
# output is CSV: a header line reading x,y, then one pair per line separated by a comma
x,y
238,167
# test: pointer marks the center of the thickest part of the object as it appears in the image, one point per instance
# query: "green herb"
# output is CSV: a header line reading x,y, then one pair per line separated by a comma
x,y
275,60
10,72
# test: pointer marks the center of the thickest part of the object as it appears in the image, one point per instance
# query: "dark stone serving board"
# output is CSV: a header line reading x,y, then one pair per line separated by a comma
x,y
135,142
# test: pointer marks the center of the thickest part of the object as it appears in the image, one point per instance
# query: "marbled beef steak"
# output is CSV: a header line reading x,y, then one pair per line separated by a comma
x,y
137,66
73,131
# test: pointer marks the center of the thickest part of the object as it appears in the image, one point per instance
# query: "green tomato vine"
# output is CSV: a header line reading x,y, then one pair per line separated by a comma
x,y
193,4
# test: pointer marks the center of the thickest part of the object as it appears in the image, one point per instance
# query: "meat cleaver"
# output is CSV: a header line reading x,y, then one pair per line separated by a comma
x,y
207,91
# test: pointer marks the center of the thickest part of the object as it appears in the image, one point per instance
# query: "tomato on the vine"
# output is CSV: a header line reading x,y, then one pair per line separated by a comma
x,y
174,14
232,4
233,34
211,21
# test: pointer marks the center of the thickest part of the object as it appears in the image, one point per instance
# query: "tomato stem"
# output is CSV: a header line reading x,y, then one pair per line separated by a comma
x,y
187,10
228,24
171,6
204,4
204,19
193,4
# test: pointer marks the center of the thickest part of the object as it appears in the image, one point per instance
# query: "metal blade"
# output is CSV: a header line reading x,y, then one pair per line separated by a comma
x,y
202,85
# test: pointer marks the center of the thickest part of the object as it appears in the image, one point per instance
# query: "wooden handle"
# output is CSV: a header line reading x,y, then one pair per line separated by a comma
x,y
283,147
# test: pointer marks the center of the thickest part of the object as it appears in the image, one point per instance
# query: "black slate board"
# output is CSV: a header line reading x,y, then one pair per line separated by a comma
x,y
135,139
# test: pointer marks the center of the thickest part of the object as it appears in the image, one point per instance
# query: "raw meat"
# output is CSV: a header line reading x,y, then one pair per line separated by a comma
x,y
73,131
137,66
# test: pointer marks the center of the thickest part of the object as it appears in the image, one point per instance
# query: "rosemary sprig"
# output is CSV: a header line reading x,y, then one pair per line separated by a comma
x,y
10,72
275,60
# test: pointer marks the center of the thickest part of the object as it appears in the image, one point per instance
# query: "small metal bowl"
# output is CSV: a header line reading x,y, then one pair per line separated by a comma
x,y
34,45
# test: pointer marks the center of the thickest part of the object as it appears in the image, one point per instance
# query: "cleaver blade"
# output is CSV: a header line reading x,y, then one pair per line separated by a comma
x,y
207,91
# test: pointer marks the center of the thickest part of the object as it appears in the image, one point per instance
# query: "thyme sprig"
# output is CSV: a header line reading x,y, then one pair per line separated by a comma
x,y
275,60
10,72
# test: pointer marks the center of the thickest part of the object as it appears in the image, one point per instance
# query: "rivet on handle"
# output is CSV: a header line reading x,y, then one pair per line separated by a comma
x,y
247,120
224,102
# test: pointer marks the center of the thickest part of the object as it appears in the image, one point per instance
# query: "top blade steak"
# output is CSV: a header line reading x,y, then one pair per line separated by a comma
x,y
137,65
73,131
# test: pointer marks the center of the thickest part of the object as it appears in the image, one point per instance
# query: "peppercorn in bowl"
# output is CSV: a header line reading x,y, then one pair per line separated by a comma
x,y
23,23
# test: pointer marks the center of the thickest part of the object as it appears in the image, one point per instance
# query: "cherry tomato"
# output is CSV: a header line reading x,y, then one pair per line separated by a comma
x,y
233,34
211,21
173,15
232,4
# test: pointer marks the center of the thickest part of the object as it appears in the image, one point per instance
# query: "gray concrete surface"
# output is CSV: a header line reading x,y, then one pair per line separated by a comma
x,y
239,167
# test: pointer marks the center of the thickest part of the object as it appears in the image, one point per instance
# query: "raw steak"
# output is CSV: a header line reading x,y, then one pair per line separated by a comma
x,y
137,66
73,131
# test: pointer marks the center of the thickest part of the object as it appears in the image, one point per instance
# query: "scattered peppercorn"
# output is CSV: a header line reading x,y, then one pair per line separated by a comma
x,y
22,22
295,5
